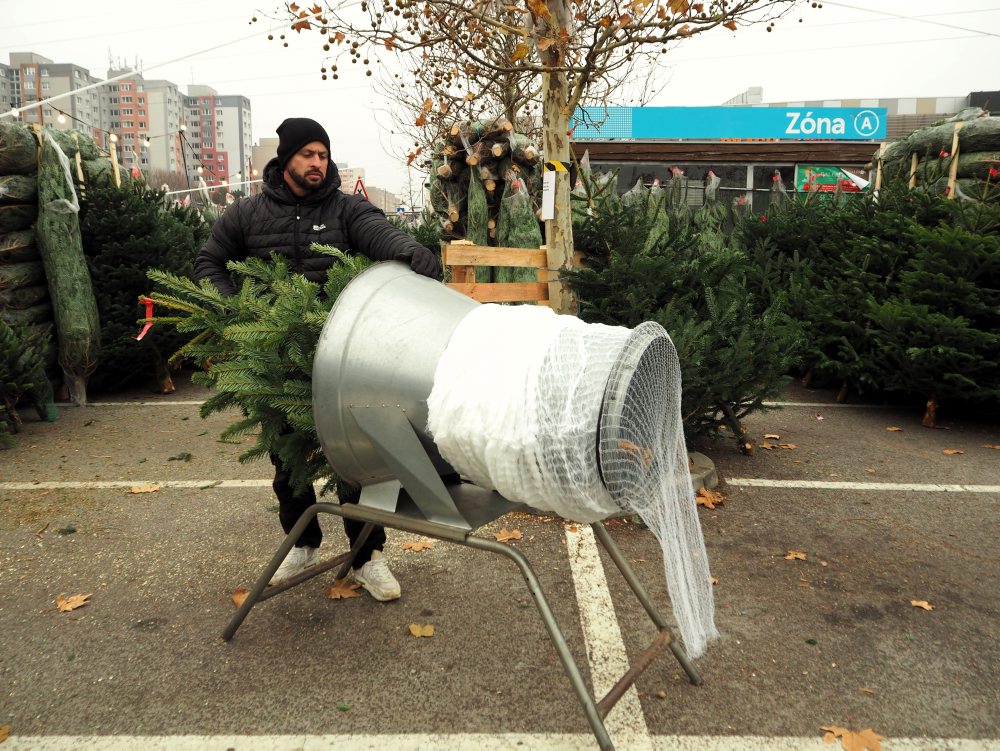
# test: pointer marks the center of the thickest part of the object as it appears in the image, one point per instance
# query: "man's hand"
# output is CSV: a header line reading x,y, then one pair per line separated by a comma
x,y
422,261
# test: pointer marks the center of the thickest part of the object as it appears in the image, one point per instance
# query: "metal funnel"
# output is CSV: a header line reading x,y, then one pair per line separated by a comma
x,y
380,347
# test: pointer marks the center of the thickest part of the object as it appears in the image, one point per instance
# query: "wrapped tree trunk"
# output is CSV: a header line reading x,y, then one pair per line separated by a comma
x,y
17,216
18,150
73,303
18,189
18,246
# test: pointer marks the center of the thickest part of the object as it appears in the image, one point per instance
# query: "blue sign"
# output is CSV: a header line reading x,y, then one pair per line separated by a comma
x,y
731,123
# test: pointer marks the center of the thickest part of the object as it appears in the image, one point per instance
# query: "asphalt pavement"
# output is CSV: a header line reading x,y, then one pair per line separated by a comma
x,y
829,637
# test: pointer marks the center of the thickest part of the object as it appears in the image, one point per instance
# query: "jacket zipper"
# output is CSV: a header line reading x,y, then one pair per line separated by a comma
x,y
297,251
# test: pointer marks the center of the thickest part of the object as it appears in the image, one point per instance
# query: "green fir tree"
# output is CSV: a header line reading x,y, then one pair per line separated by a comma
x,y
646,261
127,231
258,346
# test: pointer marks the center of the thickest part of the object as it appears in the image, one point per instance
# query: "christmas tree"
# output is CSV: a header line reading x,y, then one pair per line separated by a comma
x,y
258,346
125,232
22,375
647,260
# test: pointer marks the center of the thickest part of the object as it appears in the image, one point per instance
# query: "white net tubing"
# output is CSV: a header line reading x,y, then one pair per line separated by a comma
x,y
519,405
515,406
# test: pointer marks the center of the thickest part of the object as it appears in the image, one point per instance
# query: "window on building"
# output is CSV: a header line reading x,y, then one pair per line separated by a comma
x,y
127,124
45,72
45,85
126,87
127,111
126,99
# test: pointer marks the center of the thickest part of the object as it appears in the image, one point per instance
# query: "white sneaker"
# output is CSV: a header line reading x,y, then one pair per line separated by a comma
x,y
376,577
297,561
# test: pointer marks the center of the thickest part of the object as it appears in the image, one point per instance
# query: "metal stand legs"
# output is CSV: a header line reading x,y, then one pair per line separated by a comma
x,y
595,711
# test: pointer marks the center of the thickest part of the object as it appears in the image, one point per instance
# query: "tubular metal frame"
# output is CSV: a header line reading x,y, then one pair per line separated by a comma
x,y
595,711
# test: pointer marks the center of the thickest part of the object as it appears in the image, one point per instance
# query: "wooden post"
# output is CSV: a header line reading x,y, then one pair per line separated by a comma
x,y
953,171
878,167
114,163
913,170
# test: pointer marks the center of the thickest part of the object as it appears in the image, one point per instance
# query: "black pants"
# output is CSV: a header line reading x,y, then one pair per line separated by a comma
x,y
291,507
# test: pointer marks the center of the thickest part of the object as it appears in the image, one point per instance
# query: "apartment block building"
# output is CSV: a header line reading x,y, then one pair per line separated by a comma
x,y
151,124
217,128
30,77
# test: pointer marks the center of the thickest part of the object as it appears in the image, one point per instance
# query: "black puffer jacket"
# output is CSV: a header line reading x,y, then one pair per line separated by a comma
x,y
278,220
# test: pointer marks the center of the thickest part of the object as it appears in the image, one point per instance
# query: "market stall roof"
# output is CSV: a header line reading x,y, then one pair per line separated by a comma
x,y
769,152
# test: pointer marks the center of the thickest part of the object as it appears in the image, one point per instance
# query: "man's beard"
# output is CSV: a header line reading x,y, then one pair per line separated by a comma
x,y
303,182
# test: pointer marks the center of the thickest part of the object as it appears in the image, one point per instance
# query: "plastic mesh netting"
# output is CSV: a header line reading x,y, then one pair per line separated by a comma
x,y
579,420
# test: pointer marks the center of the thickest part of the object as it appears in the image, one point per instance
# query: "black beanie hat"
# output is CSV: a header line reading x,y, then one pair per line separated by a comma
x,y
296,132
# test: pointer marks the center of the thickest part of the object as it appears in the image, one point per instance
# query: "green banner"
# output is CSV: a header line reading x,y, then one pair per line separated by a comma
x,y
823,178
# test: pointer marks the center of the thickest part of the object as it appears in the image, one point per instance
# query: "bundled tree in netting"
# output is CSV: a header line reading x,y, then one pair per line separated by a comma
x,y
259,346
472,168
74,307
734,351
126,232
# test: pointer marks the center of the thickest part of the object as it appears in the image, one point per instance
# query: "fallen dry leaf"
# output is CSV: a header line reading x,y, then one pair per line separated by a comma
x,y
572,528
149,487
865,740
951,452
416,547
239,596
713,580
419,630
768,445
343,589
921,604
709,498
504,535
775,436
894,429
870,470
4,732
991,446
795,555
787,445
865,690
661,694
66,604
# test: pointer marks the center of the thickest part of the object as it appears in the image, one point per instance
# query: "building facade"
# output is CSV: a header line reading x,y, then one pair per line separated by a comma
x,y
750,166
218,132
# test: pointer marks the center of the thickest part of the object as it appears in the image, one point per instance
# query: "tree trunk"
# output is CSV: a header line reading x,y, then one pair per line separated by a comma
x,y
556,113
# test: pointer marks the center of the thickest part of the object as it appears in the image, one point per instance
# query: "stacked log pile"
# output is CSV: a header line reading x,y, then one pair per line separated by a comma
x,y
44,282
24,296
961,151
473,167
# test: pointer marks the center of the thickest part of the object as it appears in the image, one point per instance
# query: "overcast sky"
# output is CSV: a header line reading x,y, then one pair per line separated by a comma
x,y
859,49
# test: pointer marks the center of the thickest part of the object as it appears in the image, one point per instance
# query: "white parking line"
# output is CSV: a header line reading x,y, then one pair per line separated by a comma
x,y
98,484
835,405
626,723
163,403
458,742
753,482
756,482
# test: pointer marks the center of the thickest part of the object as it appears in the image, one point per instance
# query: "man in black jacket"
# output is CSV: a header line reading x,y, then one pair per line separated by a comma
x,y
301,204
